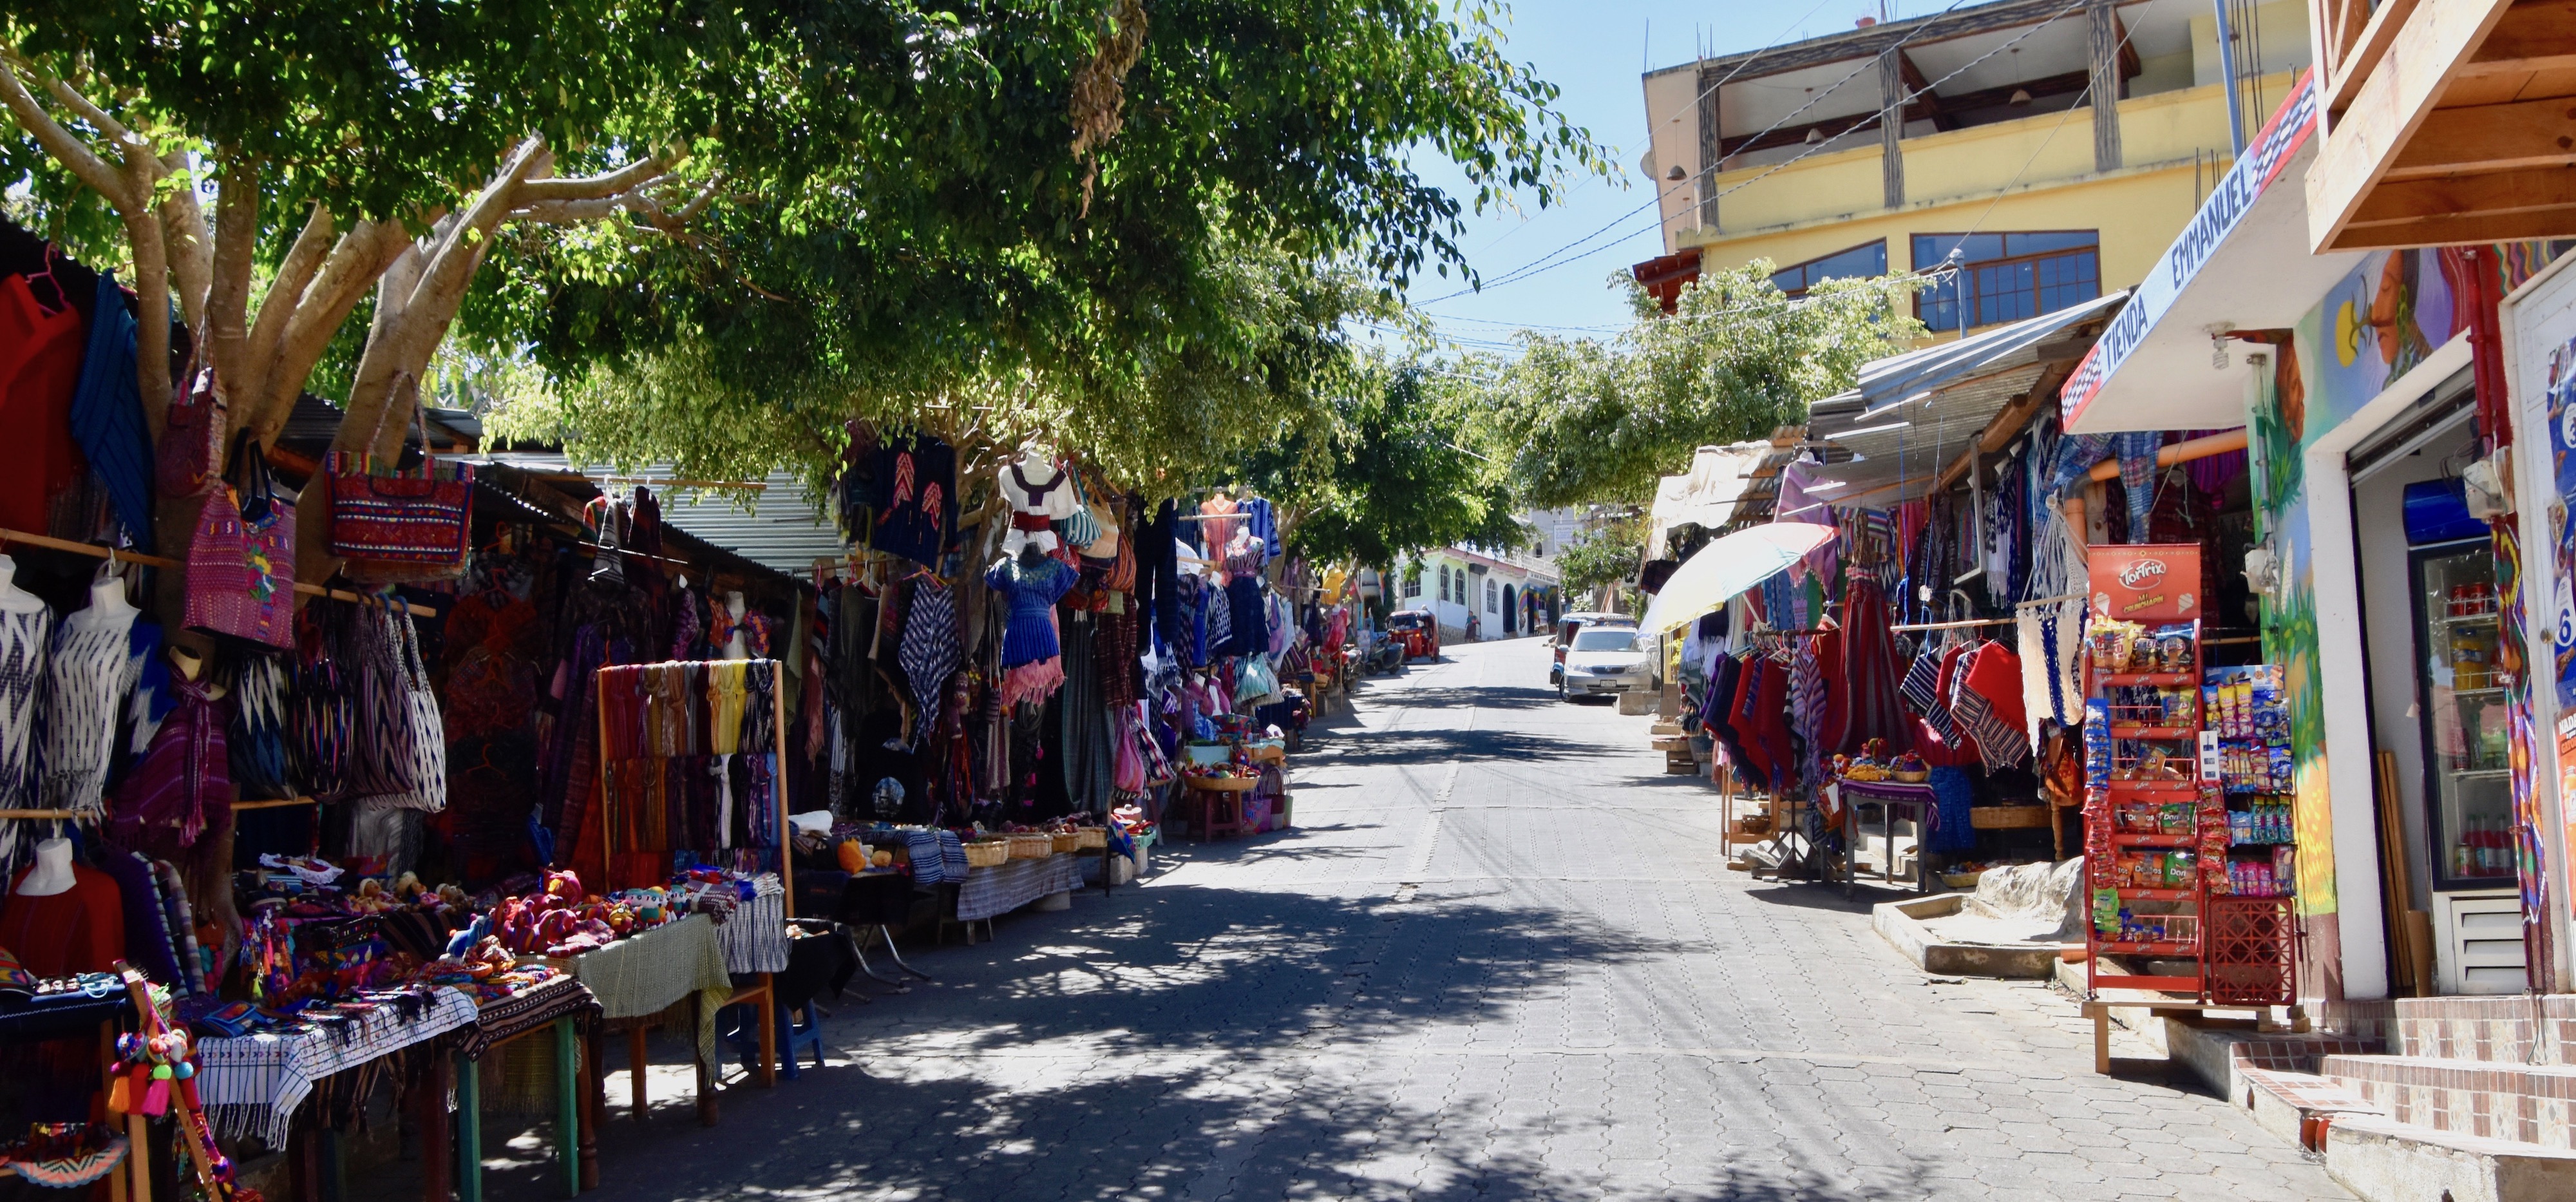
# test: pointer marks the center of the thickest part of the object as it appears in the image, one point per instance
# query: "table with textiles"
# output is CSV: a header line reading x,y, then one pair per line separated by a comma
x,y
754,937
251,1084
1851,795
638,978
1015,883
562,1005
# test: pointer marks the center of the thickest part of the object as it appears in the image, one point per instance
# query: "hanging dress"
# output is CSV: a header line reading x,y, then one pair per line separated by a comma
x,y
82,679
25,639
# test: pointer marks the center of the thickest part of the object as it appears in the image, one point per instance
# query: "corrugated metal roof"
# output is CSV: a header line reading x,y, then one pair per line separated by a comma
x,y
785,529
1912,415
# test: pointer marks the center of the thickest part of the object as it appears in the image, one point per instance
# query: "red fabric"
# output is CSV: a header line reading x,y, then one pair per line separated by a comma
x,y
1870,672
1995,674
40,363
81,929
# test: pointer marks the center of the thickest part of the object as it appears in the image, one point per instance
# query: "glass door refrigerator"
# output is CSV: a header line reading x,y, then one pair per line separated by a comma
x,y
2461,697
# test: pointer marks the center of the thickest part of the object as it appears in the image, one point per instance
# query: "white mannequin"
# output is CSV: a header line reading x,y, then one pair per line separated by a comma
x,y
13,598
735,647
107,602
53,871
190,666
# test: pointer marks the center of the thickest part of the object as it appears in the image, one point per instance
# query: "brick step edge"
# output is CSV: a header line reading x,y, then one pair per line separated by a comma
x,y
2299,1106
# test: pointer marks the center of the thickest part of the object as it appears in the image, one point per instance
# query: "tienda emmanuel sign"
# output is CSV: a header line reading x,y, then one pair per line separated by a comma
x,y
2262,164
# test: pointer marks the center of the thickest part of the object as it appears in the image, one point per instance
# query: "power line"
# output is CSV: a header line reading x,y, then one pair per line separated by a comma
x,y
1534,266
1543,264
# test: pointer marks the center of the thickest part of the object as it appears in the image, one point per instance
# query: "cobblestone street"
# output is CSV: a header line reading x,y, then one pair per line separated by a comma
x,y
1500,957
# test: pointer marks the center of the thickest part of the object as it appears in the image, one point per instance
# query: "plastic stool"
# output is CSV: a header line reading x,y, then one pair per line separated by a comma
x,y
795,1037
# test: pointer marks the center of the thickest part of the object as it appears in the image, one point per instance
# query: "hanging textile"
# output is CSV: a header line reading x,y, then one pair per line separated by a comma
x,y
915,499
82,673
1989,707
930,649
2137,454
1869,671
26,638
1089,761
106,416
183,789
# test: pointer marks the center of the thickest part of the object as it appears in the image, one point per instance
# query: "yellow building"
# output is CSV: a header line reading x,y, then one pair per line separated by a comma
x,y
2000,157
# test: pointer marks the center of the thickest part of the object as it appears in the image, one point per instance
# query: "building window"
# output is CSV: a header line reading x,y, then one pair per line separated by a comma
x,y
1444,582
1413,581
1859,262
1493,599
2007,277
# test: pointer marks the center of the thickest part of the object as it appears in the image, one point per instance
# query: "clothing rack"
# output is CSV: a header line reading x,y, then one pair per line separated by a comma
x,y
273,803
1961,625
94,551
2036,602
777,788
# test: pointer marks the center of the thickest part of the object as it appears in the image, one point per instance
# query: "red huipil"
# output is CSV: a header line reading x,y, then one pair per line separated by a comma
x,y
40,364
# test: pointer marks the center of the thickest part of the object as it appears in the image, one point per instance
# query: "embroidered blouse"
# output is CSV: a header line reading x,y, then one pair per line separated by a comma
x,y
1027,636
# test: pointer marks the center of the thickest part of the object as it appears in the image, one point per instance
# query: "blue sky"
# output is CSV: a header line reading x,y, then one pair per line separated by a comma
x,y
1595,50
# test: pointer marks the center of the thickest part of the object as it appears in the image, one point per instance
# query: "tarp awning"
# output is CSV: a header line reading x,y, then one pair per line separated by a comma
x,y
1913,414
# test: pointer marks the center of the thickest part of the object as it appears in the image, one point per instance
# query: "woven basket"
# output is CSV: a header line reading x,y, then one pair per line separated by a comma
x,y
1032,847
1091,838
988,853
1067,841
1224,784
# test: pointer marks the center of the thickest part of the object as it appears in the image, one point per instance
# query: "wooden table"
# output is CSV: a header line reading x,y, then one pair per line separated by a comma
x,y
1851,795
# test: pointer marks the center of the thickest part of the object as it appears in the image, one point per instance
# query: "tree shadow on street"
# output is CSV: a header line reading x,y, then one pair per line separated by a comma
x,y
1186,1042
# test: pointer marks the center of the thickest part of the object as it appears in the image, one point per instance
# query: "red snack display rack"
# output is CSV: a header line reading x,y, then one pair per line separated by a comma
x,y
2145,824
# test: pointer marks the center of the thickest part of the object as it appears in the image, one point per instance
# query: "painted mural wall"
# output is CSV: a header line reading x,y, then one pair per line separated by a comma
x,y
2379,322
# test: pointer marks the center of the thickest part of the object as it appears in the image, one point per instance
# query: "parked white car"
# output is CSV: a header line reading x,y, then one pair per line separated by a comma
x,y
1605,661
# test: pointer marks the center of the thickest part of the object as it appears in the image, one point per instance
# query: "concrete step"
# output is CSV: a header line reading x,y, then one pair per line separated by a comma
x,y
2383,1160
2511,1030
2529,1104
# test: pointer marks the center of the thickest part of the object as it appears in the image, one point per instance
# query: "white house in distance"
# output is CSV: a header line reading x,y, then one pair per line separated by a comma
x,y
1494,594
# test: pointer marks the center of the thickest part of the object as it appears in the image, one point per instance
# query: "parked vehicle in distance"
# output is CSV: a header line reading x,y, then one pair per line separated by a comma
x,y
1418,629
1566,628
1606,660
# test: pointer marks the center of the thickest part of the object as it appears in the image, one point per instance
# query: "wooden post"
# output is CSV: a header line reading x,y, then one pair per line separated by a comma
x,y
635,1062
2104,23
594,1087
1891,126
432,1104
778,781
706,1072
567,1108
469,1131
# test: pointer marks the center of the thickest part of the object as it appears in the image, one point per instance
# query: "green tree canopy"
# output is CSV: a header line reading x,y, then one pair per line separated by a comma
x,y
1585,421
1383,477
1174,295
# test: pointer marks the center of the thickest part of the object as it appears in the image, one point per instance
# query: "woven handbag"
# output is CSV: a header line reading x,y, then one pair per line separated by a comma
x,y
188,460
401,758
241,563
392,526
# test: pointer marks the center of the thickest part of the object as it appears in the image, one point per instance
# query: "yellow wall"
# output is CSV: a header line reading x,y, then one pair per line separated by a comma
x,y
2032,174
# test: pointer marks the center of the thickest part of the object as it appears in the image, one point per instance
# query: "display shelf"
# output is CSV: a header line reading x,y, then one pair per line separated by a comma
x,y
2172,788
2140,839
2151,983
2129,894
2167,679
2160,947
2131,730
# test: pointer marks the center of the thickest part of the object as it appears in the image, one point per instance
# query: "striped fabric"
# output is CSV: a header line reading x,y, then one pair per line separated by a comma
x,y
930,652
755,938
25,641
81,679
252,1085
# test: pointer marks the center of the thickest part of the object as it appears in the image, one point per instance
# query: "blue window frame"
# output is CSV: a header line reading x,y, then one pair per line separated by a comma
x,y
1858,262
2007,277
